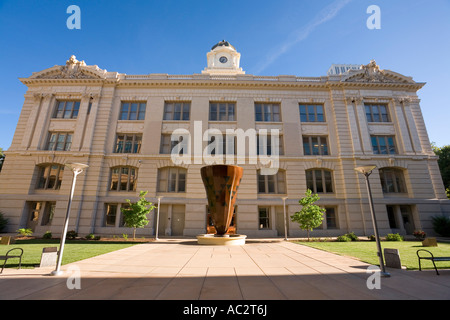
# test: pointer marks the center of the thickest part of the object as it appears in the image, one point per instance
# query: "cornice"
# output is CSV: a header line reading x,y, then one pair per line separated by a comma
x,y
78,73
241,84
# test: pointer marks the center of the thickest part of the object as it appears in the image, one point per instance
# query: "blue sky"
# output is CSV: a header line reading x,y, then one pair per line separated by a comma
x,y
295,37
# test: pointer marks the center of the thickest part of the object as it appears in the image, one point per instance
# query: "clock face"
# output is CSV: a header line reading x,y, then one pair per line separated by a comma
x,y
223,59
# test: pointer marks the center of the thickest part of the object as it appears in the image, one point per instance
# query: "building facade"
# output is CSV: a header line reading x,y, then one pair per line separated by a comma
x,y
122,127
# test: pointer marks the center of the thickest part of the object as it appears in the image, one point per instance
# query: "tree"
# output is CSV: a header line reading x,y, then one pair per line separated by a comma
x,y
135,214
311,215
2,158
444,164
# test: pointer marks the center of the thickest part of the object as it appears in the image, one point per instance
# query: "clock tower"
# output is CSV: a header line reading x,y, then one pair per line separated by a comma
x,y
223,59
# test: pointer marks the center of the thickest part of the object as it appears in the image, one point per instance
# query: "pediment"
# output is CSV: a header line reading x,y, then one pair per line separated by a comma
x,y
73,69
371,73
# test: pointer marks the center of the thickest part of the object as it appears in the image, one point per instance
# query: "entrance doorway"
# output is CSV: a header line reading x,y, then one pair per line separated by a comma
x,y
171,220
401,218
279,220
178,220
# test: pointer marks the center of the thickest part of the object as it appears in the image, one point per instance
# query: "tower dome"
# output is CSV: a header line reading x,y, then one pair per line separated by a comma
x,y
223,59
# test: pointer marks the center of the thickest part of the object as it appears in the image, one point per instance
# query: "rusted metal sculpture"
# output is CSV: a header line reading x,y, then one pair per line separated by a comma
x,y
221,184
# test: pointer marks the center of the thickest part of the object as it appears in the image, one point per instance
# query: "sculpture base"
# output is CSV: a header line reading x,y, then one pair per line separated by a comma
x,y
227,240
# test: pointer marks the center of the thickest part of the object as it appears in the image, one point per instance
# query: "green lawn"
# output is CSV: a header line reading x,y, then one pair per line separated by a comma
x,y
74,250
367,251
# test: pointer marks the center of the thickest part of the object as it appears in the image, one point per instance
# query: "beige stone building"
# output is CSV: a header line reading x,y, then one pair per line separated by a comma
x,y
121,126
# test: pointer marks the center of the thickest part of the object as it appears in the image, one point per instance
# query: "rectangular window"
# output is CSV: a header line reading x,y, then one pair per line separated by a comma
x,y
319,181
67,109
312,113
167,145
383,145
226,146
315,146
123,179
178,111
267,112
110,214
330,216
219,111
264,147
272,184
50,177
59,141
172,180
264,218
132,111
128,143
392,180
377,113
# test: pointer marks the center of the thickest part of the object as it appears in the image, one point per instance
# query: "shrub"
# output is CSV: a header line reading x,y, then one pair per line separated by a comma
x,y
25,232
90,236
3,221
441,225
394,237
47,235
371,237
352,236
343,238
72,234
419,235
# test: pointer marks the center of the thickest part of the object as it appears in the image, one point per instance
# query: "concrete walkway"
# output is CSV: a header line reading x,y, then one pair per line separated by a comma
x,y
173,269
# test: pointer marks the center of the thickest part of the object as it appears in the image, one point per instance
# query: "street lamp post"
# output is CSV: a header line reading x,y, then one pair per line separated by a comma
x,y
76,168
366,171
285,218
157,218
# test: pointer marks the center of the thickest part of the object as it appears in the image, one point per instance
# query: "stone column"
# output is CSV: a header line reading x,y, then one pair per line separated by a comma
x,y
354,122
80,126
403,138
32,119
40,122
90,119
411,125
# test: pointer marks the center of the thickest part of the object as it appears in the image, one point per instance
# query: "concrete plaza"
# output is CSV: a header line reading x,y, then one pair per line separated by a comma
x,y
173,269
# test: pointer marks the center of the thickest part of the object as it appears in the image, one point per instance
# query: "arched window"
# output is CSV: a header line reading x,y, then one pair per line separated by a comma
x,y
319,180
123,179
275,184
172,179
392,180
50,176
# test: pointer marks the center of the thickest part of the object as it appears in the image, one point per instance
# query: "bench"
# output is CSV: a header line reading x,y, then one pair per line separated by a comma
x,y
432,258
7,256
